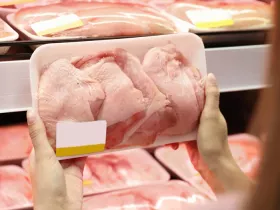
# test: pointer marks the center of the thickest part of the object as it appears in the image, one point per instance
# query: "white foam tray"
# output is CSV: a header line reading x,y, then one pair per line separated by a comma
x,y
14,36
236,68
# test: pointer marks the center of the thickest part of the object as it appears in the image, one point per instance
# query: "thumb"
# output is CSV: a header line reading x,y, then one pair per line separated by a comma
x,y
212,93
38,135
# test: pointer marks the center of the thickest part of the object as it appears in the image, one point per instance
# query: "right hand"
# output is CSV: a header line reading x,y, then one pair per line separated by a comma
x,y
212,132
214,160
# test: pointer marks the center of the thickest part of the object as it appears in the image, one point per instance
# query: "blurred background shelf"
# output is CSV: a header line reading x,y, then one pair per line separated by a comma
x,y
236,68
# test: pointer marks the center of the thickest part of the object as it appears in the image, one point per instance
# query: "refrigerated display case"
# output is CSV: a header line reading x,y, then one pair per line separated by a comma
x,y
237,58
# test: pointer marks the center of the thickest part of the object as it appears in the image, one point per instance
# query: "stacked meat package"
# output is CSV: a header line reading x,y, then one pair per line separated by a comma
x,y
217,15
15,188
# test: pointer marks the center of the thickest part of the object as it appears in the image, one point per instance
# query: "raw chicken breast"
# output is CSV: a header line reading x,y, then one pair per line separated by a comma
x,y
180,82
133,93
100,19
124,104
245,14
174,195
15,188
67,94
15,142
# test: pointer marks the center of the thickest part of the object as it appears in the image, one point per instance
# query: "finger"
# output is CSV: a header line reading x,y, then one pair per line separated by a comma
x,y
212,93
38,135
78,162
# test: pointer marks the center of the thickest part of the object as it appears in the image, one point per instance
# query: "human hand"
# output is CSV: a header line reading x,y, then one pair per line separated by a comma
x,y
212,132
210,154
57,185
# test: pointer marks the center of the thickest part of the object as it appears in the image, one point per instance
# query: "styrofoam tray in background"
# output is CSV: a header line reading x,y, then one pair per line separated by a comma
x,y
181,26
194,29
6,11
14,36
190,45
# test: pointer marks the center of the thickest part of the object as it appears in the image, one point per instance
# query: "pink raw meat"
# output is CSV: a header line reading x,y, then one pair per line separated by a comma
x,y
245,13
124,169
100,19
158,115
15,142
112,86
67,94
180,82
172,195
15,187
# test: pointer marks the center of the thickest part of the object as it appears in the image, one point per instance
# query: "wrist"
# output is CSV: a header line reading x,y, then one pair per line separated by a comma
x,y
228,173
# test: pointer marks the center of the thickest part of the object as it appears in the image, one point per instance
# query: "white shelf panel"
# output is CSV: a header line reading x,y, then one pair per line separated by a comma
x,y
236,68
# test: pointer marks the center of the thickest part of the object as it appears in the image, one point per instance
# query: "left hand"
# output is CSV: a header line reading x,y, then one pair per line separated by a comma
x,y
57,185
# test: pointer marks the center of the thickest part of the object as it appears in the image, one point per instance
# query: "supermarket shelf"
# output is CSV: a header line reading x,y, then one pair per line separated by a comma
x,y
236,68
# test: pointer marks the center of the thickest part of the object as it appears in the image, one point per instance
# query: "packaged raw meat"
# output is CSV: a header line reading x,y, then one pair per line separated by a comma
x,y
174,195
15,142
146,90
119,170
15,188
219,15
188,165
75,19
7,34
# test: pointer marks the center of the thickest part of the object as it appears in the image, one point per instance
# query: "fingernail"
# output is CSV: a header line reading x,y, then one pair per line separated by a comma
x,y
202,81
31,117
211,77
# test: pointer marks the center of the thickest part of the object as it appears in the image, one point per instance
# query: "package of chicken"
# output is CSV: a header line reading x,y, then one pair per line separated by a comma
x,y
93,20
221,15
175,195
15,188
109,95
119,170
15,143
7,34
187,164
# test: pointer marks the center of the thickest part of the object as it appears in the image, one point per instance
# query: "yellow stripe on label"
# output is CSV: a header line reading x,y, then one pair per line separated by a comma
x,y
215,24
7,3
87,182
71,25
79,150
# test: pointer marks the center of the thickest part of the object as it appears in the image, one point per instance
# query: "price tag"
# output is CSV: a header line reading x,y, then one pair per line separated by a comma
x,y
58,24
77,139
14,2
210,18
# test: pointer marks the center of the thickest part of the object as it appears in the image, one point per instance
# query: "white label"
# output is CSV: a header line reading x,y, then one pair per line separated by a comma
x,y
77,139
58,24
210,17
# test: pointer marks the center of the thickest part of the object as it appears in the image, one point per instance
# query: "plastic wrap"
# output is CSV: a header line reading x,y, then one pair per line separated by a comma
x,y
100,19
188,165
119,170
172,195
6,34
15,142
15,188
229,15
143,111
